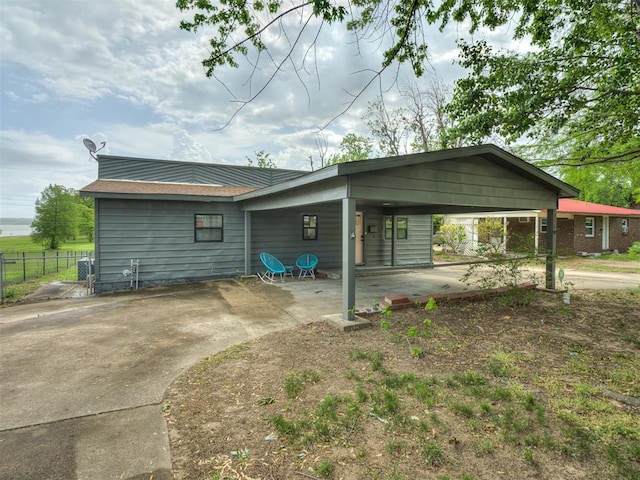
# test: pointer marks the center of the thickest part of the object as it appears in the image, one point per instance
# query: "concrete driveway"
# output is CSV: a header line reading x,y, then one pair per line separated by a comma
x,y
82,380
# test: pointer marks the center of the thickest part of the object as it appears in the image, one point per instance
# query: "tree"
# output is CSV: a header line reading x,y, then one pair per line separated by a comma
x,y
263,160
431,124
420,125
85,216
389,128
352,148
578,90
577,94
607,184
55,219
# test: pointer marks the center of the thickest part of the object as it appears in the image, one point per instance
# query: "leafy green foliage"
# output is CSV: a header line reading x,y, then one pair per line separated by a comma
x,y
453,235
352,148
576,93
55,219
609,184
262,160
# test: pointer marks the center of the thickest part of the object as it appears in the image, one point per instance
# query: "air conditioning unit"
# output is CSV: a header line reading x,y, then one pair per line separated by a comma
x,y
625,230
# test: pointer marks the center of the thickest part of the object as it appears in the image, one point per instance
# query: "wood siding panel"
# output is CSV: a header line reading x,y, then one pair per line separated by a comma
x,y
279,232
417,248
160,235
376,250
464,183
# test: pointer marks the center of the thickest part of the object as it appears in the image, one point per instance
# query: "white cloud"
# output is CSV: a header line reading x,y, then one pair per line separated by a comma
x,y
131,59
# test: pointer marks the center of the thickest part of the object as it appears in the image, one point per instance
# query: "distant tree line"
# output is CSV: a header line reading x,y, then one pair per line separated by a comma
x,y
62,214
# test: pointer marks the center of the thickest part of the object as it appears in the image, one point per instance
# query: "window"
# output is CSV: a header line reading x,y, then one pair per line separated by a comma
x,y
402,229
625,226
388,228
543,225
208,228
309,227
589,227
523,219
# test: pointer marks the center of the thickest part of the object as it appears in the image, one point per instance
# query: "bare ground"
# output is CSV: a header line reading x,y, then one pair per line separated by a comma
x,y
483,390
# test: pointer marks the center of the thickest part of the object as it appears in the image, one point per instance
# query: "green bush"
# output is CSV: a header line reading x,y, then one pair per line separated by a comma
x,y
634,250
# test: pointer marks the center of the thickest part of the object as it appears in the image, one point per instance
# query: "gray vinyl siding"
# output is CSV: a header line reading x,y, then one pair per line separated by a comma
x,y
141,169
160,234
464,182
279,232
415,250
375,251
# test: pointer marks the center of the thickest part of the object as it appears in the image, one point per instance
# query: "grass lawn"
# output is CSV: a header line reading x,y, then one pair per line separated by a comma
x,y
24,243
465,391
24,260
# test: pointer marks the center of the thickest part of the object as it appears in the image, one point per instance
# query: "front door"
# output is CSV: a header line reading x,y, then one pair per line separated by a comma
x,y
359,238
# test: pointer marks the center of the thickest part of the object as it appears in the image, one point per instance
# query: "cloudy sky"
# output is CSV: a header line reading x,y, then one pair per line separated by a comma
x,y
123,72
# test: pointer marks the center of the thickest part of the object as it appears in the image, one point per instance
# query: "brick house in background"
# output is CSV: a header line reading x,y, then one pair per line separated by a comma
x,y
592,227
581,227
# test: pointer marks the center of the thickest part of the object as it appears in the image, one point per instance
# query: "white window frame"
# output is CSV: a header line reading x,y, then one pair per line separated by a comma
x,y
590,230
625,226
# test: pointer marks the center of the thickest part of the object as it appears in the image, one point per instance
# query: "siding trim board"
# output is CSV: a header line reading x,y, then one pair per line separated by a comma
x,y
145,210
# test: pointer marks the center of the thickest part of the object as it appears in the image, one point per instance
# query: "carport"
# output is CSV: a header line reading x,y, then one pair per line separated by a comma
x,y
472,179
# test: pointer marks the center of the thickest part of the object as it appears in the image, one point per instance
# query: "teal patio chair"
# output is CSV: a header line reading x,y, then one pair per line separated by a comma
x,y
307,263
274,267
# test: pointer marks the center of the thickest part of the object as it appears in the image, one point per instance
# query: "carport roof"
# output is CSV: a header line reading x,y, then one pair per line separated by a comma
x,y
487,152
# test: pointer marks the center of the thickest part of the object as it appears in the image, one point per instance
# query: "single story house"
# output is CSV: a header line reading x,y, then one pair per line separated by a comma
x,y
176,222
582,227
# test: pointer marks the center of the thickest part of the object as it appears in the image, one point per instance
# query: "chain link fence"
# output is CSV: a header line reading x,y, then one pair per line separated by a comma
x,y
18,267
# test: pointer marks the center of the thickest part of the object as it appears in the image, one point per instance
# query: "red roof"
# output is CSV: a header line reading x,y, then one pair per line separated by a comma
x,y
569,205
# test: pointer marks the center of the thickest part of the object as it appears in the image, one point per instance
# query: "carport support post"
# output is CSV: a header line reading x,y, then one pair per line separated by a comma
x,y
348,258
551,249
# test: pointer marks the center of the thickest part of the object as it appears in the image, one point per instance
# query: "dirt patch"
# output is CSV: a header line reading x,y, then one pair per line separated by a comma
x,y
471,390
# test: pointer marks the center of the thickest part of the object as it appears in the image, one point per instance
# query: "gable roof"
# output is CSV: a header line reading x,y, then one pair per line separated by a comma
x,y
487,152
569,205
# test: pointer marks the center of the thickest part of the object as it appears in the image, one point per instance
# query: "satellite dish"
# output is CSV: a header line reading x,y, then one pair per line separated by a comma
x,y
91,146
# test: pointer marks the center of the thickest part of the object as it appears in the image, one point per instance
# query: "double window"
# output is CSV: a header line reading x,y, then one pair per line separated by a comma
x,y
208,227
309,227
402,228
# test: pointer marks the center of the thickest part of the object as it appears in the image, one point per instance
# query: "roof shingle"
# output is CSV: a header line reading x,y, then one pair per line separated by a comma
x,y
161,188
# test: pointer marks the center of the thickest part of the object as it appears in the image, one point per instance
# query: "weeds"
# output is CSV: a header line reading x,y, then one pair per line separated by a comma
x,y
295,382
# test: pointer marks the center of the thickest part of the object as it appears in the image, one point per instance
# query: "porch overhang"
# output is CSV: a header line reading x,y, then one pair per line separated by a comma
x,y
466,180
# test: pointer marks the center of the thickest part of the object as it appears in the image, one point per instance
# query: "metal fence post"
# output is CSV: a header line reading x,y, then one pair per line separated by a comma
x,y
1,283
